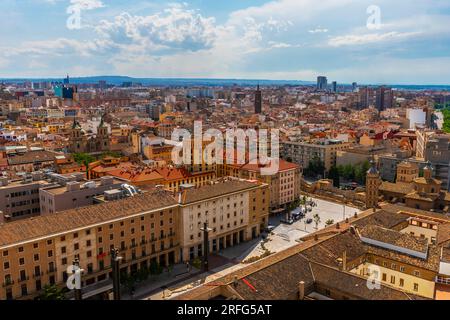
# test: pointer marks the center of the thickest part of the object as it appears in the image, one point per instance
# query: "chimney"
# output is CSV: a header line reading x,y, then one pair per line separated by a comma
x,y
301,290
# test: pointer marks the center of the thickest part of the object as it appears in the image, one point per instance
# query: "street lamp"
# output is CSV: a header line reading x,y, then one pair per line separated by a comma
x,y
115,265
206,230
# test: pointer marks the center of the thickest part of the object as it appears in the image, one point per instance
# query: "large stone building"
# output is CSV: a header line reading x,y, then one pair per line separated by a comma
x,y
153,228
416,192
284,184
82,142
235,210
302,152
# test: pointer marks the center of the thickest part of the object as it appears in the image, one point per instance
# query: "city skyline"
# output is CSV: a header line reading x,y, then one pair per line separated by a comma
x,y
257,39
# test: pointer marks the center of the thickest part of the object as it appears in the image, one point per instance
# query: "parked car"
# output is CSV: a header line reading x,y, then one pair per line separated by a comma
x,y
287,221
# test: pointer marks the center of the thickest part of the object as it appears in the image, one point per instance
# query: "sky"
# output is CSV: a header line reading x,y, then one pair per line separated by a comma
x,y
367,41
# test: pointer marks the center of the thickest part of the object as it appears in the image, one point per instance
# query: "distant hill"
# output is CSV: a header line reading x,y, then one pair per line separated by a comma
x,y
118,80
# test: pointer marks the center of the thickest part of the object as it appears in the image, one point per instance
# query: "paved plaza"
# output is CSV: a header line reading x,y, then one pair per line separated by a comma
x,y
283,236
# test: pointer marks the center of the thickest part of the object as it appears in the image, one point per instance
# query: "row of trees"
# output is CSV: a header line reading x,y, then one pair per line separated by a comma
x,y
356,173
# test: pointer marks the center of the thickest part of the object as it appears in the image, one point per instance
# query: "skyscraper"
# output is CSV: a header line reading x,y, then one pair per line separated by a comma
x,y
67,80
334,86
384,98
322,83
258,100
354,86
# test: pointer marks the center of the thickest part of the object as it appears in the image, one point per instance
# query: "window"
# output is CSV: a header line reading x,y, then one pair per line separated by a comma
x,y
416,287
6,265
384,277
402,282
416,273
392,279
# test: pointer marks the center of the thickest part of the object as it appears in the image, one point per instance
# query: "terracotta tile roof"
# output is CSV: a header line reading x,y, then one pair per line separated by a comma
x,y
383,218
216,189
31,157
63,222
395,238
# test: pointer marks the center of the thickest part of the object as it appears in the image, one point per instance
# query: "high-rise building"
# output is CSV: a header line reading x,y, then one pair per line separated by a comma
x,y
322,83
354,86
384,98
67,80
258,100
334,86
366,97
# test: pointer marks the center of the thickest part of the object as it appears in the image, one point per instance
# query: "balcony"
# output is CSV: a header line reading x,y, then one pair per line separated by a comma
x,y
8,283
20,280
38,275
51,271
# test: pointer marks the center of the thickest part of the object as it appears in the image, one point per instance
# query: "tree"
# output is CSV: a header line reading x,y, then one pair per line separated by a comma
x,y
84,159
52,292
333,174
315,167
329,222
317,220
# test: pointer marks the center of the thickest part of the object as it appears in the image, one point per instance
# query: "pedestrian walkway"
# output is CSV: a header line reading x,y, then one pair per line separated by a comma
x,y
156,283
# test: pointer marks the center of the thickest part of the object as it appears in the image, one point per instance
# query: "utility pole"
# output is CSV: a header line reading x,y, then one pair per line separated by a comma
x,y
206,230
115,265
77,272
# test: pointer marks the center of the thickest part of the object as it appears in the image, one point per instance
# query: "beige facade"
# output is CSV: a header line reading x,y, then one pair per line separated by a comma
x,y
19,199
147,232
236,211
302,153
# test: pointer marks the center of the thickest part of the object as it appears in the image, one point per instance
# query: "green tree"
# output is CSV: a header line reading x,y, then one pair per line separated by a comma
x,y
317,220
315,167
333,174
329,222
52,292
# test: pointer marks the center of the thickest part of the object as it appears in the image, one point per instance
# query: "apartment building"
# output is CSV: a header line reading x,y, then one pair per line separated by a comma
x,y
35,252
235,210
73,191
302,152
19,199
284,185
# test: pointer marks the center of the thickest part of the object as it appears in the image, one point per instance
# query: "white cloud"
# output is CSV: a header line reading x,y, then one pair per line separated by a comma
x,y
175,28
87,4
318,30
363,39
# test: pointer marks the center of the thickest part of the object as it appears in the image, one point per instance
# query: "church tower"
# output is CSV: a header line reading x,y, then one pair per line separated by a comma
x,y
372,186
103,141
76,138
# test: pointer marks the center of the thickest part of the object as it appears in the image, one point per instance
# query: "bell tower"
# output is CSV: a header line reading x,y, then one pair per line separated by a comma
x,y
372,186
